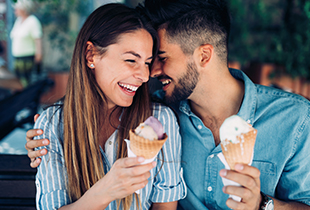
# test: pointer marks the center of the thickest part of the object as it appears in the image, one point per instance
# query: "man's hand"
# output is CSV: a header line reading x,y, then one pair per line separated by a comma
x,y
31,144
248,177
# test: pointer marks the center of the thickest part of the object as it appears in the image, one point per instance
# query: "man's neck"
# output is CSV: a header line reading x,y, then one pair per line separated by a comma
x,y
216,100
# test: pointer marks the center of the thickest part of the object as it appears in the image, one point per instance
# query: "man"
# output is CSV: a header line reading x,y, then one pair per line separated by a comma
x,y
192,66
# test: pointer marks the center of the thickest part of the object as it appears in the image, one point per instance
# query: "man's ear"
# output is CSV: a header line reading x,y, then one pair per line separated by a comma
x,y
90,48
205,53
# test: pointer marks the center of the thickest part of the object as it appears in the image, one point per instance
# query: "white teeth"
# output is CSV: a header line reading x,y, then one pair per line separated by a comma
x,y
129,87
166,82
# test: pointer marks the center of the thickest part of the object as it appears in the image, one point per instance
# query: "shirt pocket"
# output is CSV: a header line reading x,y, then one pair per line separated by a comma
x,y
268,176
266,168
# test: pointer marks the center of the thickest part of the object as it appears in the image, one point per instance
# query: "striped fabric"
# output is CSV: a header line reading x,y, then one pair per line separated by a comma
x,y
51,178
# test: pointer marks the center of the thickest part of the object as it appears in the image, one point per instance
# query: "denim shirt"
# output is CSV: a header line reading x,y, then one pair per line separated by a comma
x,y
166,184
281,150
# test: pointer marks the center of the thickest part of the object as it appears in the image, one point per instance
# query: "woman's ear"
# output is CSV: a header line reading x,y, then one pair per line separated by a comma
x,y
90,54
205,53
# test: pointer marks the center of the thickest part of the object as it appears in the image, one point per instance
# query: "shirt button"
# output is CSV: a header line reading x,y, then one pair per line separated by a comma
x,y
209,188
248,121
199,127
211,156
110,142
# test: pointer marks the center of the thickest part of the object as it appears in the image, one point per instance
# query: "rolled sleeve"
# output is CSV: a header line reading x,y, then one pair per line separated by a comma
x,y
171,192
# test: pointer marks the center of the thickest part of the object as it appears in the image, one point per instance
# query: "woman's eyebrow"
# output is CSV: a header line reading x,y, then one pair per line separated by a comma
x,y
133,53
136,54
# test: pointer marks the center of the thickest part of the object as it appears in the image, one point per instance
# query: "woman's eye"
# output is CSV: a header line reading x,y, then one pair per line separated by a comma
x,y
130,61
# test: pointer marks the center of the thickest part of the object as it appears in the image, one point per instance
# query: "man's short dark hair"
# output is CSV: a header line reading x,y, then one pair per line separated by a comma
x,y
192,23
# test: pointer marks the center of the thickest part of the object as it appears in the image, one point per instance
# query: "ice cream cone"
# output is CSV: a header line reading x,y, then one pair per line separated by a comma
x,y
240,151
144,147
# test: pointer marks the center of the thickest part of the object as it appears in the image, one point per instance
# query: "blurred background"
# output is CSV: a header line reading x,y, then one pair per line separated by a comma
x,y
269,41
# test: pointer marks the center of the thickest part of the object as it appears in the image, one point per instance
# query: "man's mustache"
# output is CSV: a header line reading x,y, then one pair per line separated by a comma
x,y
163,77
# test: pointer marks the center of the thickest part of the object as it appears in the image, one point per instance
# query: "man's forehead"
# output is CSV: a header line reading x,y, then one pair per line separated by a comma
x,y
163,43
162,34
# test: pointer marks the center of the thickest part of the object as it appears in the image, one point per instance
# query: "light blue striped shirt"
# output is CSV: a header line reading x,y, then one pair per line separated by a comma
x,y
51,178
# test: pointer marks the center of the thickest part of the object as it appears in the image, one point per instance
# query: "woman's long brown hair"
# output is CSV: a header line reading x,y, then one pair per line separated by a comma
x,y
85,105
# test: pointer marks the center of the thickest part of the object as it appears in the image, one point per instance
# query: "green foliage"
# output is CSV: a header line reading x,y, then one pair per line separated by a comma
x,y
56,16
273,31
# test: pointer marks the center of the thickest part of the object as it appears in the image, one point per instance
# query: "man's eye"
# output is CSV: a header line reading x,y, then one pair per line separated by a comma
x,y
162,59
148,64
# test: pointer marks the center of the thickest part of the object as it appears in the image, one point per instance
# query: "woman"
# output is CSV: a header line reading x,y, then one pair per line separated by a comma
x,y
87,165
26,38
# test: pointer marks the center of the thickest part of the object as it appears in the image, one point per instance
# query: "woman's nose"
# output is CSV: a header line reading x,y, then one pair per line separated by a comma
x,y
143,74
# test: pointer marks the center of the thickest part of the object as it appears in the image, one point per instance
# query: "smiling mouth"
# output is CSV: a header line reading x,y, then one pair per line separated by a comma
x,y
166,82
128,88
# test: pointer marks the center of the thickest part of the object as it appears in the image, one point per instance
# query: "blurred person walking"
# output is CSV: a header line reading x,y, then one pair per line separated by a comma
x,y
26,36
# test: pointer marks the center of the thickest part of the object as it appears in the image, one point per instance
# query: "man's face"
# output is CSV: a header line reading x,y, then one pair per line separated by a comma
x,y
176,71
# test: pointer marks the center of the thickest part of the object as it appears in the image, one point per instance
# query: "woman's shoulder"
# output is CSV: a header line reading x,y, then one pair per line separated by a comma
x,y
33,22
51,114
32,18
161,111
161,108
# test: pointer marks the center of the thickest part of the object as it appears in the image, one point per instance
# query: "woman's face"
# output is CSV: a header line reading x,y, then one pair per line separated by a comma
x,y
124,67
20,12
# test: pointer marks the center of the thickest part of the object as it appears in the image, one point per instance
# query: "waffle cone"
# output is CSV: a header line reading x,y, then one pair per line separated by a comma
x,y
241,152
144,147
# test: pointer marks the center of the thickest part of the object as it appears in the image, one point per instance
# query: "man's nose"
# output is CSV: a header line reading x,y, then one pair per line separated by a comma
x,y
156,68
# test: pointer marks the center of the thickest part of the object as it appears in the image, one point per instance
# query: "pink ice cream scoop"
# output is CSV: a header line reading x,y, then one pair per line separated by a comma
x,y
151,129
156,125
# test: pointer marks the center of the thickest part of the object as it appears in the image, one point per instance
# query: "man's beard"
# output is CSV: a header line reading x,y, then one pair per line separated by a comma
x,y
185,86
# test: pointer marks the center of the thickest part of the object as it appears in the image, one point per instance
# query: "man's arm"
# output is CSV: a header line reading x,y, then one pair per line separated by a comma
x,y
165,206
289,205
248,177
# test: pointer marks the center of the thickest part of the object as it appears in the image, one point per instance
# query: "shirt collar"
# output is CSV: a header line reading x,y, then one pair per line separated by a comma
x,y
248,105
185,107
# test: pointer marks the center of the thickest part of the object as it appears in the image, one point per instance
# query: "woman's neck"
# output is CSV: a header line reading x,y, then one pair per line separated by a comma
x,y
110,124
24,17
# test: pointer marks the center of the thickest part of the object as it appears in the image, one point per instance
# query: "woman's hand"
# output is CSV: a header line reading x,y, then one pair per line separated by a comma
x,y
32,144
125,177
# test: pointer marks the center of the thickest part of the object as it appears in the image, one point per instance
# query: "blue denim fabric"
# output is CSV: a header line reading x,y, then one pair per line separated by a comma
x,y
281,150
